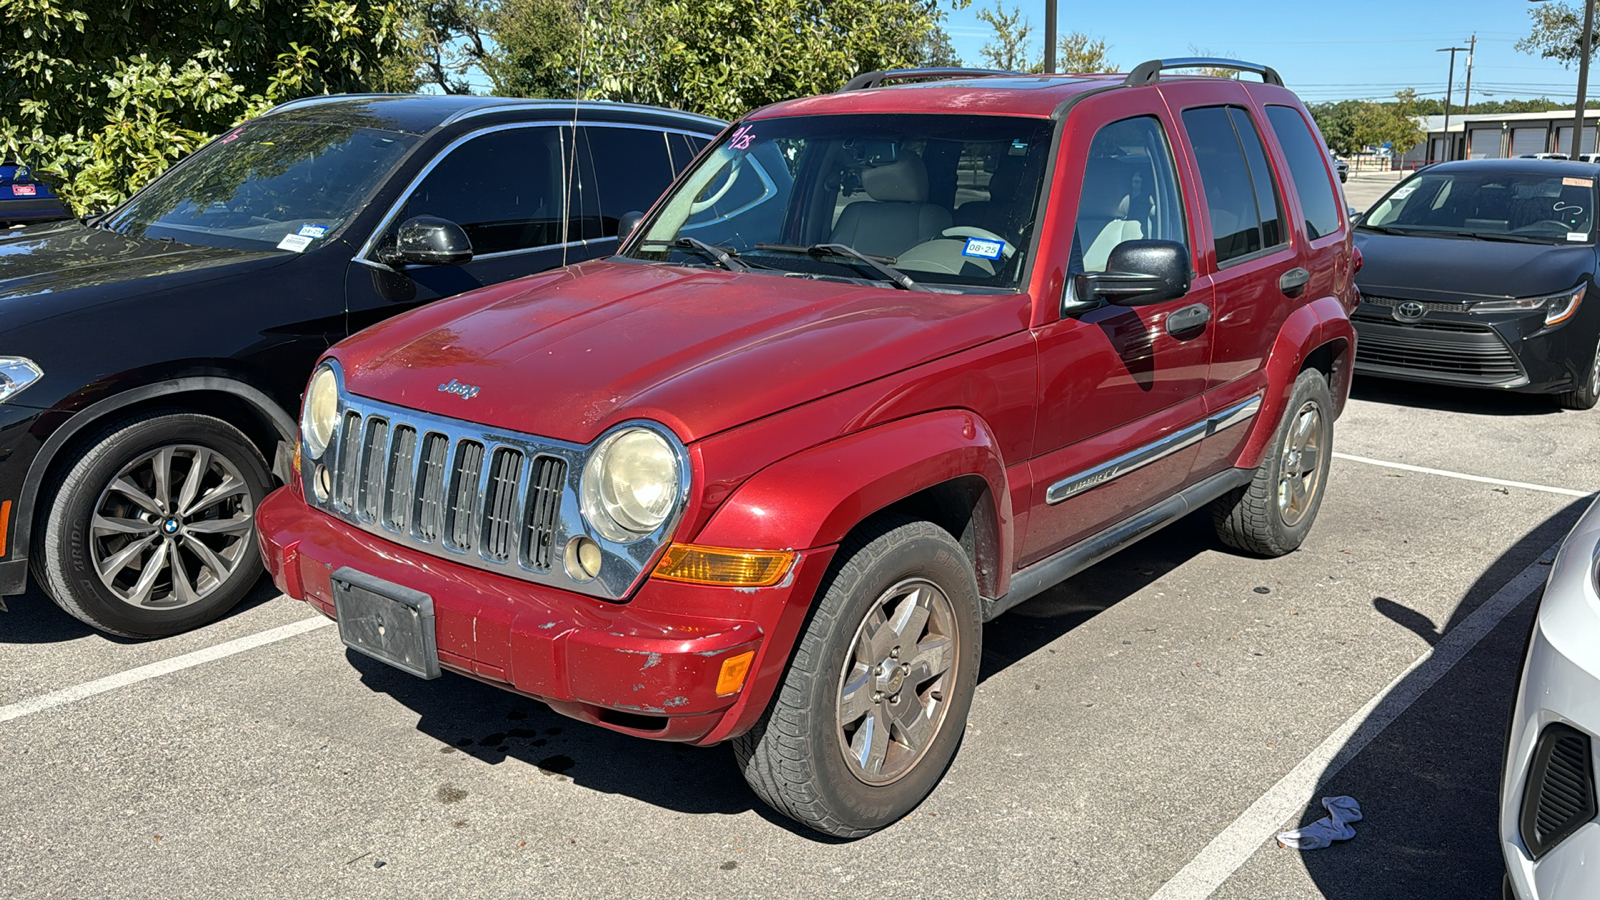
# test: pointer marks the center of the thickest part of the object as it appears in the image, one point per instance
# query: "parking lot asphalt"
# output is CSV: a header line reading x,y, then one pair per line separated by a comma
x,y
1140,731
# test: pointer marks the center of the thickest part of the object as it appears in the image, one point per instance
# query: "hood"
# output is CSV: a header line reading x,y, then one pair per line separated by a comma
x,y
1425,268
68,256
567,354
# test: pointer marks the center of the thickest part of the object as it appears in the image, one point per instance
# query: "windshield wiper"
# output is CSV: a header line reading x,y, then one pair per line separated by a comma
x,y
889,273
712,252
1381,229
1514,238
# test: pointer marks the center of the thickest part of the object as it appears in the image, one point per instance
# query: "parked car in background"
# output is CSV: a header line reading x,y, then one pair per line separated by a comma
x,y
1477,273
155,354
884,364
1342,167
28,196
1543,156
1548,829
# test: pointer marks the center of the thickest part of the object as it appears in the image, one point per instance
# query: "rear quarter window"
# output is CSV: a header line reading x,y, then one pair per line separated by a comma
x,y
1308,170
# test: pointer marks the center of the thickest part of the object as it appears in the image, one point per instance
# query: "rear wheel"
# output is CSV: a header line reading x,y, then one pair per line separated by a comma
x,y
1272,514
151,531
1586,395
874,704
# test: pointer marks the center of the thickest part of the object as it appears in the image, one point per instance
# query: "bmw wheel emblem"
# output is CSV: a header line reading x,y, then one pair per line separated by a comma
x,y
170,526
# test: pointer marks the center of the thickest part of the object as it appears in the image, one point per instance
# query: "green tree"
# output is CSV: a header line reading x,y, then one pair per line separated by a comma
x,y
111,92
1556,33
1077,52
1012,46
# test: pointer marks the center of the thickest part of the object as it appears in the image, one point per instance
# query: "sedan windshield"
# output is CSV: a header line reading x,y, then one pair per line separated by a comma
x,y
913,201
264,185
1536,207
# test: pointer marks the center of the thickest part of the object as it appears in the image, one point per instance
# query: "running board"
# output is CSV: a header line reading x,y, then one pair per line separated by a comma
x,y
1052,570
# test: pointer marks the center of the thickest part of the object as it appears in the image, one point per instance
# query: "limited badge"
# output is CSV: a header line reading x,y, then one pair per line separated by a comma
x,y
313,231
24,190
295,242
983,249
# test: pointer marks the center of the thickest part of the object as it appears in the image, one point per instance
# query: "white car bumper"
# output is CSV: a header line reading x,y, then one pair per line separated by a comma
x,y
1548,828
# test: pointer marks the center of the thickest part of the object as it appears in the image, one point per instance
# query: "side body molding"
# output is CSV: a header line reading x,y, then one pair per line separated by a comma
x,y
814,498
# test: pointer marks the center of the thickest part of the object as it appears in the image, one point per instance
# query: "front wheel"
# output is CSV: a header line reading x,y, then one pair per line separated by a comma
x,y
1272,514
873,706
1587,394
151,531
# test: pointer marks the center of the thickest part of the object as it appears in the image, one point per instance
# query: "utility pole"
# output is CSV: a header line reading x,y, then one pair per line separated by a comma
x,y
1449,86
1583,77
1466,101
1049,35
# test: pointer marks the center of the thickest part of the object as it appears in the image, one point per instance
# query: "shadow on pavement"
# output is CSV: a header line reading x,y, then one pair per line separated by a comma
x,y
1429,783
33,618
1445,398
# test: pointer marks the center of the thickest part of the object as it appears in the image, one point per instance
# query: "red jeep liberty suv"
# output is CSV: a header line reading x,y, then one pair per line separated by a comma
x,y
881,365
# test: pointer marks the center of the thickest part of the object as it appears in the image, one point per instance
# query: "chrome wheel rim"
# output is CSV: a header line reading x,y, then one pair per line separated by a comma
x,y
171,527
1300,464
895,686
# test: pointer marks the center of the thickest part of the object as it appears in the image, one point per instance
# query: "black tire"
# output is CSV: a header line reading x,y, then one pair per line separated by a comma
x,y
68,541
795,756
1259,517
1586,395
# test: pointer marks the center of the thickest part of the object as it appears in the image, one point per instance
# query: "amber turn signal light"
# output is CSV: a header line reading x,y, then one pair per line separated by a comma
x,y
734,670
722,567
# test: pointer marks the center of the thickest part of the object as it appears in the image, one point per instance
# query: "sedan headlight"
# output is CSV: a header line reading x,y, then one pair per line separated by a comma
x,y
320,415
1557,307
16,373
630,484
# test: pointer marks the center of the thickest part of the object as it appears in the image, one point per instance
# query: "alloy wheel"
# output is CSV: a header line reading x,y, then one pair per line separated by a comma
x,y
895,680
1300,468
171,527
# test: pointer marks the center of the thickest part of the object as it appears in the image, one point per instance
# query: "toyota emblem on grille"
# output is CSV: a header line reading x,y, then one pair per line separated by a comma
x,y
1409,311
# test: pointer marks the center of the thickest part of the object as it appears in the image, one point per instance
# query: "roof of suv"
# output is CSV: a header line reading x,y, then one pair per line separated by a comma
x,y
422,113
1005,94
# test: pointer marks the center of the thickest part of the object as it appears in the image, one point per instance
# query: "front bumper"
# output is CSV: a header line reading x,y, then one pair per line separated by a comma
x,y
647,667
22,434
1558,700
1512,351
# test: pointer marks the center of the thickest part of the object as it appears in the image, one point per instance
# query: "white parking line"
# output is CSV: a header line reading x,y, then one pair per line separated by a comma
x,y
1284,801
157,669
1406,467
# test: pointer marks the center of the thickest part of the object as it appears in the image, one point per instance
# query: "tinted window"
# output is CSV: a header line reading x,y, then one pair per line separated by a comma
x,y
1269,203
1308,168
630,168
1524,206
1130,192
503,188
684,149
1231,194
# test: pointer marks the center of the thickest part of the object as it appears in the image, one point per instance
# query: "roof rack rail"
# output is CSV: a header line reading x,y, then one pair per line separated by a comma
x,y
877,77
1150,72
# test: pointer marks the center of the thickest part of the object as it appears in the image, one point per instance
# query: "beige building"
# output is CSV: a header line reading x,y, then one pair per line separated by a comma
x,y
1499,135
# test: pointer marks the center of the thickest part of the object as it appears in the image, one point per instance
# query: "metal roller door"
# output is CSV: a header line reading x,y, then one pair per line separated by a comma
x,y
1483,143
1528,140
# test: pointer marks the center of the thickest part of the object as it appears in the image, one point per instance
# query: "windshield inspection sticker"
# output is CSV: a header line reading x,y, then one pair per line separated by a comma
x,y
1404,192
983,249
313,231
1578,182
295,242
1577,235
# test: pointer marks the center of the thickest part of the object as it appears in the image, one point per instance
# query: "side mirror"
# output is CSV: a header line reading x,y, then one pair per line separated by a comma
x,y
430,241
1139,272
1355,214
628,222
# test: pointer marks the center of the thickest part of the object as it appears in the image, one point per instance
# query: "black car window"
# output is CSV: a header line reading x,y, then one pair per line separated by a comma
x,y
503,188
684,149
1269,202
1130,192
1308,168
625,170
1231,194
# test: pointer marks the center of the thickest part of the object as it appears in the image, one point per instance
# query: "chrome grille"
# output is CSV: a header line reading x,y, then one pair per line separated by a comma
x,y
1427,305
493,498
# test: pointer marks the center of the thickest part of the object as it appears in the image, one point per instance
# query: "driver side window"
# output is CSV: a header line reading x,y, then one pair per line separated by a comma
x,y
1130,192
503,188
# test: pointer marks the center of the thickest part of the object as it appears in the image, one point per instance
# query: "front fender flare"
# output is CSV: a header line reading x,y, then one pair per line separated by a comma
x,y
1320,323
814,498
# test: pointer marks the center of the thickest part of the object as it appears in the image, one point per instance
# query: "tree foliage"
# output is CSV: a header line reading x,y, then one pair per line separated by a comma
x,y
1011,48
1077,52
1351,125
111,92
1556,33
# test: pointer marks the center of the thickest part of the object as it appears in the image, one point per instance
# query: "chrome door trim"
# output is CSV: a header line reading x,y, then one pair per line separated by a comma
x,y
1073,485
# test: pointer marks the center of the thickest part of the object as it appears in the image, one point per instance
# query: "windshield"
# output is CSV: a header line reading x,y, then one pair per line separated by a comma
x,y
942,199
1537,207
267,184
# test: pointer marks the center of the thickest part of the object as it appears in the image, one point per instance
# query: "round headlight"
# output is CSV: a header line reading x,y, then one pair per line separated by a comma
x,y
321,412
630,484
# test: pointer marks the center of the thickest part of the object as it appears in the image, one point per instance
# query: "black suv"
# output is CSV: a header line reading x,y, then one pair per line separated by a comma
x,y
151,358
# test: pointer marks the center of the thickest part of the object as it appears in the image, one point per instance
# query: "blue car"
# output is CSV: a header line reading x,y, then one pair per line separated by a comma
x,y
26,197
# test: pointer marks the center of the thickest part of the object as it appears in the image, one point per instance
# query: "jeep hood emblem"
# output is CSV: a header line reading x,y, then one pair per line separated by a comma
x,y
466,391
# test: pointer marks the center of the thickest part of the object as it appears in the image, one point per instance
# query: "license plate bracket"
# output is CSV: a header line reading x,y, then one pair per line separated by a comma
x,y
389,622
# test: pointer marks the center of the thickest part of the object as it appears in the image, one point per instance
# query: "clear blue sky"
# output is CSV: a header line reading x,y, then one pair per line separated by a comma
x,y
1324,51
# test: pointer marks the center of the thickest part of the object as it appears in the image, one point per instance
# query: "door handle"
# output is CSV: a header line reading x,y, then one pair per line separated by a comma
x,y
1188,319
1294,281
